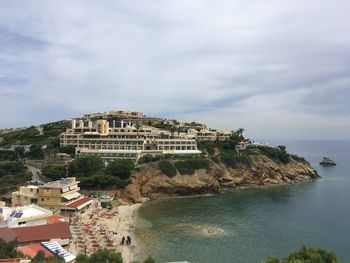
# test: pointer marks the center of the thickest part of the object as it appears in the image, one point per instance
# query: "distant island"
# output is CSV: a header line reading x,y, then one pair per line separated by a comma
x,y
327,162
150,156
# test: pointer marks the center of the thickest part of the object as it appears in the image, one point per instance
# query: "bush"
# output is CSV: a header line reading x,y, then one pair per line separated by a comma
x,y
236,161
278,154
306,255
67,149
7,155
36,152
167,168
149,158
190,166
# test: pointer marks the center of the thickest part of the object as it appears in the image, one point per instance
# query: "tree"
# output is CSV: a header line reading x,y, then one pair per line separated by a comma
x,y
54,172
149,260
167,168
105,255
39,257
36,152
86,165
306,255
121,168
138,127
7,250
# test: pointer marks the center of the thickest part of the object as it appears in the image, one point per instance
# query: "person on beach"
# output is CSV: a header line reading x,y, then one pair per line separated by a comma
x,y
123,241
128,240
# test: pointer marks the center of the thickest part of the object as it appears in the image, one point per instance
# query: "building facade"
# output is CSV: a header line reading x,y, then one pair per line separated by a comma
x,y
124,139
59,194
25,195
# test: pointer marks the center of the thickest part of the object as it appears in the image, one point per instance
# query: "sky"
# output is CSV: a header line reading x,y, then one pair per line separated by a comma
x,y
278,68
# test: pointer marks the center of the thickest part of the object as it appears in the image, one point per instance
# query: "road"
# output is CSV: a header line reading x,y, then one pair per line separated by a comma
x,y
36,173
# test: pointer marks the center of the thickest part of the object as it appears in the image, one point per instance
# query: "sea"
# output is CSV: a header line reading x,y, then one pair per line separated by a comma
x,y
247,225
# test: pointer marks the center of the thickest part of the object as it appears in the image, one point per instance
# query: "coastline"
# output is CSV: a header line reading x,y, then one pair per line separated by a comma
x,y
127,216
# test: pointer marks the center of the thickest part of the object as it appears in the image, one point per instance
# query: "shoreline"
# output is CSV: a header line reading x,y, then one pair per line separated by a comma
x,y
127,217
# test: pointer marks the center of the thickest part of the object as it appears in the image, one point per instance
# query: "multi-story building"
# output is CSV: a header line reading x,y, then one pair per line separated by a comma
x,y
61,194
124,139
209,135
25,195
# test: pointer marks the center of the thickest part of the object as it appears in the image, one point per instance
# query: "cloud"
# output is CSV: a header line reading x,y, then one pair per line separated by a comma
x,y
274,67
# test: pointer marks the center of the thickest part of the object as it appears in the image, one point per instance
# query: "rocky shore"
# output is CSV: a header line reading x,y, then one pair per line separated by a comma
x,y
152,183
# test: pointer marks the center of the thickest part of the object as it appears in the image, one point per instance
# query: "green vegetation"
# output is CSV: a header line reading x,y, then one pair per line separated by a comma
x,y
12,174
121,168
7,155
7,250
237,161
31,136
306,255
167,168
67,149
91,171
278,154
54,172
85,166
190,166
149,158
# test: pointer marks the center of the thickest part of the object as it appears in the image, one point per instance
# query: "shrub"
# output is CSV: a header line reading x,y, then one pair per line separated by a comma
x,y
67,149
237,161
278,154
190,166
167,168
149,158
306,255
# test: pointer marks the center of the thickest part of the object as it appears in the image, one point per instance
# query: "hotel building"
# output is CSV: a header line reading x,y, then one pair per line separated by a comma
x,y
113,139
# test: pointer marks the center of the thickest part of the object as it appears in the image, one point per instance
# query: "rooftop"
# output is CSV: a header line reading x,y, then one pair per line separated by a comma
x,y
42,233
61,183
80,203
32,249
23,212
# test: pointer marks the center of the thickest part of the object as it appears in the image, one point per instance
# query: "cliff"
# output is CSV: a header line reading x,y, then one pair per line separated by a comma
x,y
151,182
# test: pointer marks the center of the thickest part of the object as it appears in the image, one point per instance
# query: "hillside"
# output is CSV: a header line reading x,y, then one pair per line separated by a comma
x,y
152,182
233,162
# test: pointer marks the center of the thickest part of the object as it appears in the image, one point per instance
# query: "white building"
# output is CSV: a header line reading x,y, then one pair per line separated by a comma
x,y
30,215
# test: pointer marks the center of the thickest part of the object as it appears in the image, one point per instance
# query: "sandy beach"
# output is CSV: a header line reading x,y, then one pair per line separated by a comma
x,y
104,228
126,219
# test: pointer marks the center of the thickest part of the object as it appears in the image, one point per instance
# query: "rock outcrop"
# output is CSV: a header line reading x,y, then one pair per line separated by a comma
x,y
152,183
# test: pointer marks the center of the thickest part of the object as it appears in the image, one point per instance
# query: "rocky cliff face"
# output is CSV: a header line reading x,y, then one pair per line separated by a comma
x,y
152,183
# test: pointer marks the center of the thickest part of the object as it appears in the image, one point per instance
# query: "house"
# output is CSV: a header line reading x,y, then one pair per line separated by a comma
x,y
25,195
51,232
29,215
58,194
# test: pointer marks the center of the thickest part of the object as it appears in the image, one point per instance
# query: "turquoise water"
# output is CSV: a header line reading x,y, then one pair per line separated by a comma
x,y
247,225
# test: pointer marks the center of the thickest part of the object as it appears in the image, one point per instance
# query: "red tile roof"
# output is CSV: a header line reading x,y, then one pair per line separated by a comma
x,y
42,232
80,203
32,249
7,234
55,218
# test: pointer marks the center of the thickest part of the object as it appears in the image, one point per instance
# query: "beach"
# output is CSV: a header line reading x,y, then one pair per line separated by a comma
x,y
125,226
104,228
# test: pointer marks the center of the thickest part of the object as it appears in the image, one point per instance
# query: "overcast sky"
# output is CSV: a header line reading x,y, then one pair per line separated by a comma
x,y
280,69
